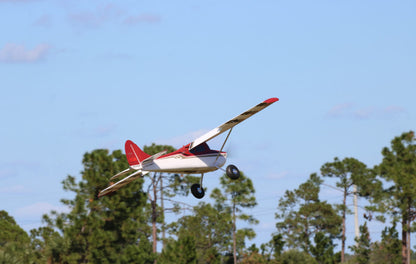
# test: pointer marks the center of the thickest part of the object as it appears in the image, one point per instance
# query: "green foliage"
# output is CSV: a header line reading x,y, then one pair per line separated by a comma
x,y
323,250
14,241
388,250
115,228
237,195
362,249
294,256
398,168
11,232
183,250
112,229
349,172
303,215
253,256
211,229
49,245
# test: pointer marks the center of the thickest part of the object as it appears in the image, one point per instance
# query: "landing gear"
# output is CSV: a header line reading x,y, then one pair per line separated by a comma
x,y
232,172
197,191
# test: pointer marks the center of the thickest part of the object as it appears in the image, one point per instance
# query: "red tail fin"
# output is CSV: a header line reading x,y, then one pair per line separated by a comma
x,y
134,154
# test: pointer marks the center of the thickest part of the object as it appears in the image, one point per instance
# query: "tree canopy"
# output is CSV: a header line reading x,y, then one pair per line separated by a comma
x,y
125,226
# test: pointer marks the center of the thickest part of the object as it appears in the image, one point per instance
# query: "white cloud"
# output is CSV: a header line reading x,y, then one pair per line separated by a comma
x,y
17,1
15,53
142,18
97,17
6,173
277,175
38,209
43,21
340,110
348,110
16,189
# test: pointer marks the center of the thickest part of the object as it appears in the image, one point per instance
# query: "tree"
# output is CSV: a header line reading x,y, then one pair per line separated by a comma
x,y
293,256
390,243
303,215
153,190
349,172
323,250
210,226
158,193
273,248
253,256
238,194
48,245
398,168
182,250
112,229
362,249
14,241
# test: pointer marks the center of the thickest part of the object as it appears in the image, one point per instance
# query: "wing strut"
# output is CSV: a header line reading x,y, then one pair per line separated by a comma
x,y
223,144
231,123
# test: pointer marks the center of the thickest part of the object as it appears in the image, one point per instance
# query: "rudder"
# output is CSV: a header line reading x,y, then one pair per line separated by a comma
x,y
134,154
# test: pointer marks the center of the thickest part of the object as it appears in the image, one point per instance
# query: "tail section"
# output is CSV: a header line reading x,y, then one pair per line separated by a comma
x,y
134,154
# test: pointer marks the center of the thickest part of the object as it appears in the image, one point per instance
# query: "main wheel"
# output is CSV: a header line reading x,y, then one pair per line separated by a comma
x,y
232,172
197,190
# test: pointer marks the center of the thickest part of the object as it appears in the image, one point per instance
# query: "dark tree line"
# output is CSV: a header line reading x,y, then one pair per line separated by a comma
x,y
125,227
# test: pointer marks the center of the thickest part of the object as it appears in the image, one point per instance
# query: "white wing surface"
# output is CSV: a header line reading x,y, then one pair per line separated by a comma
x,y
231,123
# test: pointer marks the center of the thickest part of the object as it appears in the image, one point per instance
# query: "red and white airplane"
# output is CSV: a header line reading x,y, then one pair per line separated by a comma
x,y
195,157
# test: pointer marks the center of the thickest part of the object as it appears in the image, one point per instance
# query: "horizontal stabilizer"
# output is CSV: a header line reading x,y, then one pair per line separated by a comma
x,y
114,187
122,173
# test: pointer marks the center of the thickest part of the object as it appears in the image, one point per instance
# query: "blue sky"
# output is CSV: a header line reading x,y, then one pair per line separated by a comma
x,y
80,75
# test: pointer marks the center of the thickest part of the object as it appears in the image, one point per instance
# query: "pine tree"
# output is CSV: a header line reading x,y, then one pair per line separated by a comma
x,y
349,172
211,227
182,250
323,250
112,229
14,241
362,249
238,195
302,215
388,250
398,168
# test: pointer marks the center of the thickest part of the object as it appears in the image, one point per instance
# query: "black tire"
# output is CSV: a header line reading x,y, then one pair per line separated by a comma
x,y
197,191
232,172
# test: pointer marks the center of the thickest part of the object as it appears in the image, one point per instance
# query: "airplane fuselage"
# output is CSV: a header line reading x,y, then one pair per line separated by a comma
x,y
201,160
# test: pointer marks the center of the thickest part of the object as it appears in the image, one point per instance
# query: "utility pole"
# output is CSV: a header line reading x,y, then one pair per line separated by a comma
x,y
357,232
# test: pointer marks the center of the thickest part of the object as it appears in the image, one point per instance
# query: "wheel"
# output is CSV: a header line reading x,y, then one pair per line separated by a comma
x,y
232,172
197,190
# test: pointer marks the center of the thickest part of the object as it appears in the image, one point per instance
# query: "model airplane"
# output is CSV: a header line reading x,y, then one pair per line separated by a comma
x,y
196,157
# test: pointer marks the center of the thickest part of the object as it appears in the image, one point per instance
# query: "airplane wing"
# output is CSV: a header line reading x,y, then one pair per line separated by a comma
x,y
231,123
114,187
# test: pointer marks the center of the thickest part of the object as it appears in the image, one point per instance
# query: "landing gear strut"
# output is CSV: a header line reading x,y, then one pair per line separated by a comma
x,y
196,189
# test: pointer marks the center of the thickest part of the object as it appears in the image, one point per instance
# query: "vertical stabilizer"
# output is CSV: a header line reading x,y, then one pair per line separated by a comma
x,y
134,154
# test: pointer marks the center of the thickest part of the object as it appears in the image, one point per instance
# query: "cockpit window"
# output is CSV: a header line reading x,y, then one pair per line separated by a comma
x,y
200,148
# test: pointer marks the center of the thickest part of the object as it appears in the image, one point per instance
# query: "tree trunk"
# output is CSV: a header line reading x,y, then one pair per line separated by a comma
x,y
343,227
154,216
404,240
163,212
234,238
408,242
